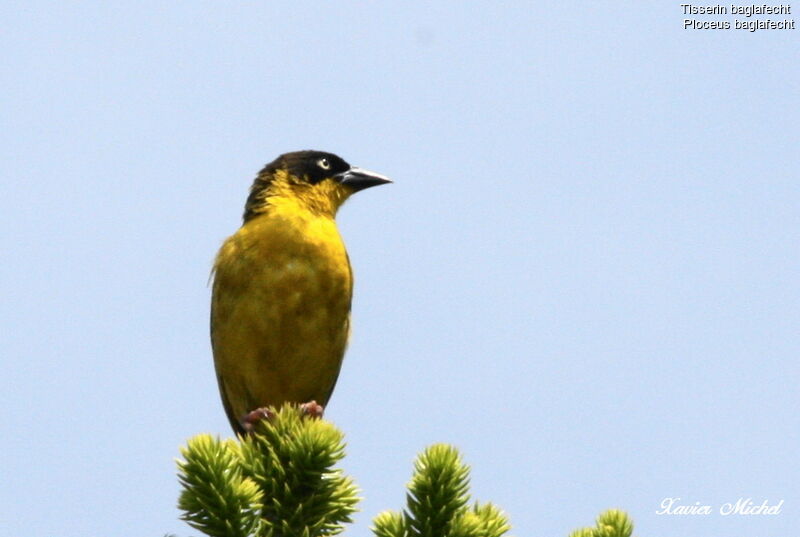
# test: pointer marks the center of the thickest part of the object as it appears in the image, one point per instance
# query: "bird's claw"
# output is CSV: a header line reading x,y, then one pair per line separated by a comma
x,y
254,416
312,409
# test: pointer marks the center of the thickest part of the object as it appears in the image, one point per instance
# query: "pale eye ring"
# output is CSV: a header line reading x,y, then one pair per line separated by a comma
x,y
324,163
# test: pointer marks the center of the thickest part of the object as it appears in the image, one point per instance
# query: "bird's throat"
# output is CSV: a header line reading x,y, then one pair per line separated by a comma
x,y
321,199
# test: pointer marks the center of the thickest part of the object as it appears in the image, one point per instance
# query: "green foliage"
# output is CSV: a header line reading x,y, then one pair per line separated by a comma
x,y
217,499
292,460
281,481
278,482
437,500
611,523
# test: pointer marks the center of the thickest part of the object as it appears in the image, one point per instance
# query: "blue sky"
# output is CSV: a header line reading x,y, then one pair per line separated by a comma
x,y
585,275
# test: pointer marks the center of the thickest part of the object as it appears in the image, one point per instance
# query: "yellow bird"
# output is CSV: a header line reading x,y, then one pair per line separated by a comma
x,y
280,306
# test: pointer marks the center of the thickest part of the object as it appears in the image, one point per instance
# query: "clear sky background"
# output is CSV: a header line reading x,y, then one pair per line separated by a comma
x,y
586,275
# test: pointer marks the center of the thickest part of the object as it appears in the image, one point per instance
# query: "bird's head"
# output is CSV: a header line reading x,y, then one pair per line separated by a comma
x,y
314,180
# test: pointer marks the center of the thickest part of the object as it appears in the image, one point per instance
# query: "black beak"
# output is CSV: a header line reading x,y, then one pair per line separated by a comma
x,y
359,179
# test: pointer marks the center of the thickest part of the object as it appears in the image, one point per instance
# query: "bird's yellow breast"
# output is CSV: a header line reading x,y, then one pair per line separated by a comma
x,y
280,310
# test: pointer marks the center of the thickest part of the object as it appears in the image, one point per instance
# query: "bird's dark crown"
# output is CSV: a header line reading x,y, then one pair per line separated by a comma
x,y
306,166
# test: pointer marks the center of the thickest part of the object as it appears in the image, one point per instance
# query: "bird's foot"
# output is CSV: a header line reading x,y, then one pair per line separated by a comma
x,y
254,416
312,409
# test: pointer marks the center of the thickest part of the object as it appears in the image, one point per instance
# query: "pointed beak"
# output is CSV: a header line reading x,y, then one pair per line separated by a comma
x,y
359,179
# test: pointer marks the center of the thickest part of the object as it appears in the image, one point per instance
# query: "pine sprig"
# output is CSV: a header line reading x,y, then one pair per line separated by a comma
x,y
390,524
278,482
217,499
291,458
437,500
438,490
611,523
493,521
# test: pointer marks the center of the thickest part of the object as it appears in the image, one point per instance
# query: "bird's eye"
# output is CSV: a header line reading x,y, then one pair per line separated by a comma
x,y
324,164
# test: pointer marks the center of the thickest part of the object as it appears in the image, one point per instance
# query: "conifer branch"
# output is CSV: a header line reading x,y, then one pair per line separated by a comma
x,y
437,500
282,481
611,523
217,499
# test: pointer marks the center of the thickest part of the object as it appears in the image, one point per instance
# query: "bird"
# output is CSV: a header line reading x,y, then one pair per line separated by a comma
x,y
282,288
